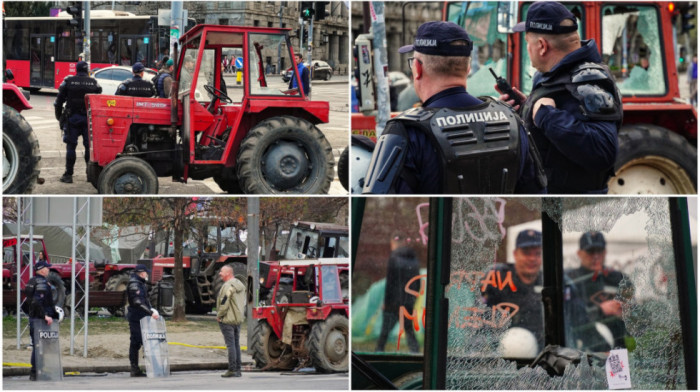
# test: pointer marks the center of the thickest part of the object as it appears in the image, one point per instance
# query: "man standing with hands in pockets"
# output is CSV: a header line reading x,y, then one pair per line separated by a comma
x,y
230,314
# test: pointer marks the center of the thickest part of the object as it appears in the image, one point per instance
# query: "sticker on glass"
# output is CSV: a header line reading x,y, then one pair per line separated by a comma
x,y
617,370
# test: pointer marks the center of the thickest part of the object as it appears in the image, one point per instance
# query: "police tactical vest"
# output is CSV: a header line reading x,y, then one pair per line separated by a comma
x,y
592,85
76,87
479,146
137,88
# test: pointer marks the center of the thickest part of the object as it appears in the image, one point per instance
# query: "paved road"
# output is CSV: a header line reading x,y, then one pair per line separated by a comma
x,y
45,126
194,380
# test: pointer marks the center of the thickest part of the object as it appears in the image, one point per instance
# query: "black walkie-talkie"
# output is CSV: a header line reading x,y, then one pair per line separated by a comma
x,y
505,88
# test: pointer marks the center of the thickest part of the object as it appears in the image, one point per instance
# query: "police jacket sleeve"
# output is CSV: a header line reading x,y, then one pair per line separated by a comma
x,y
60,100
137,299
528,183
592,144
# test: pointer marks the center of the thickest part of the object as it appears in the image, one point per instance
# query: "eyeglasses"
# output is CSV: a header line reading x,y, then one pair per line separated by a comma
x,y
410,62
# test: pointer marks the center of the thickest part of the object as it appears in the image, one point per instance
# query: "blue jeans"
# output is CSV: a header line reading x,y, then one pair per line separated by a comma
x,y
232,335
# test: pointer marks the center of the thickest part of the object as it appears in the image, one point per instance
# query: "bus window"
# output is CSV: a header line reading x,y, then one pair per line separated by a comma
x,y
66,45
388,278
16,43
633,49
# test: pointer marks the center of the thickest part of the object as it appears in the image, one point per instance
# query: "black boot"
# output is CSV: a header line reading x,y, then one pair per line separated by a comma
x,y
67,178
136,371
32,375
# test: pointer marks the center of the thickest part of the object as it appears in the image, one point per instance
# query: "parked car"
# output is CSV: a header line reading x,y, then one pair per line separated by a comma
x,y
320,71
111,77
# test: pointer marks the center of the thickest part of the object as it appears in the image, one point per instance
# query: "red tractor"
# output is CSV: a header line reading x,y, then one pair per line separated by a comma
x,y
105,279
303,319
20,147
258,138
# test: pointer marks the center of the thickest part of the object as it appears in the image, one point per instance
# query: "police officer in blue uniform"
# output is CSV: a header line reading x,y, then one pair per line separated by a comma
x,y
73,119
575,108
42,304
139,307
137,86
454,143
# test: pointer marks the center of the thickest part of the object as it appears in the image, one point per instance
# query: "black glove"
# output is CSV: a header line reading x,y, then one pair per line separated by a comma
x,y
58,110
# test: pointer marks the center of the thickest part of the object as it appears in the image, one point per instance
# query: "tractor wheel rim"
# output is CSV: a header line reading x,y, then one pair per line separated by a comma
x,y
651,175
128,183
285,165
336,346
10,161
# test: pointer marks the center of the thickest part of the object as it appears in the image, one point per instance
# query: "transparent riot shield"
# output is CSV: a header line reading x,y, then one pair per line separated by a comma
x,y
155,347
47,351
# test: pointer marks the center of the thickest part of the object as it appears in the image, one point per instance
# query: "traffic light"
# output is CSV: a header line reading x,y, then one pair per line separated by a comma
x,y
307,10
683,53
320,10
687,17
305,37
76,11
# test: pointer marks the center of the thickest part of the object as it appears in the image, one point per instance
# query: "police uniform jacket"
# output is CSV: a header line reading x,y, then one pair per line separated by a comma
x,y
72,92
42,300
576,151
137,292
423,159
136,87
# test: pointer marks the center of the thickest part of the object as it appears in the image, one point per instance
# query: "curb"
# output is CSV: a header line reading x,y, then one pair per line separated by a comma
x,y
180,367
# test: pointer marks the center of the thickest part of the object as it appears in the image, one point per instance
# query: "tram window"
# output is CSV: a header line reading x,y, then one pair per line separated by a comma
x,y
388,278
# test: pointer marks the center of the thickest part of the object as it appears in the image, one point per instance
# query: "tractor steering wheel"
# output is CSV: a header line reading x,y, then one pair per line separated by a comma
x,y
221,95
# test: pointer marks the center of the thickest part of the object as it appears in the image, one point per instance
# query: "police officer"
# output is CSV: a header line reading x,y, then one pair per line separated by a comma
x,y
73,119
42,305
440,147
603,288
165,79
139,307
523,284
576,135
136,86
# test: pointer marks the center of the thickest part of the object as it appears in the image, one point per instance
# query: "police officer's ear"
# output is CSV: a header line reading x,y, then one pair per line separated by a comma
x,y
418,67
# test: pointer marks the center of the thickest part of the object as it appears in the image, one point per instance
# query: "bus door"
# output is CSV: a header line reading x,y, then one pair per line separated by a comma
x,y
133,49
42,60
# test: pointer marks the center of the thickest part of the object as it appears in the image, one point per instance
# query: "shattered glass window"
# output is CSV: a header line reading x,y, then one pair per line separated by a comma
x,y
619,254
633,50
527,71
633,271
389,277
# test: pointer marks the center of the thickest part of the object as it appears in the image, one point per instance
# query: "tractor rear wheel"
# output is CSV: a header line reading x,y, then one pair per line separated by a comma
x,y
153,298
269,350
343,168
328,344
117,282
20,153
285,155
60,288
653,160
128,175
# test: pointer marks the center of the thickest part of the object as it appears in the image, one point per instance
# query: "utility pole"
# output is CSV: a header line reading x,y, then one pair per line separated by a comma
x,y
176,23
86,36
253,246
279,46
381,67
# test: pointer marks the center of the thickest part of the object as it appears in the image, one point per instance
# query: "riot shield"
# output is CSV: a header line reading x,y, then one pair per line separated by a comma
x,y
47,354
155,347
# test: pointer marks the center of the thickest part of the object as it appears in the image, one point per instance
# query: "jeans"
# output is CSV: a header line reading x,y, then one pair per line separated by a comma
x,y
232,335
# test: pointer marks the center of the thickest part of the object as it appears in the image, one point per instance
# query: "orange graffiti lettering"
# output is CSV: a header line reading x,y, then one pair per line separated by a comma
x,y
422,286
473,317
494,278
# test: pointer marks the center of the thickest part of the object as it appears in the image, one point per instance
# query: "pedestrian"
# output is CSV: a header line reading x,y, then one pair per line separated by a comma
x,y
577,134
41,306
604,289
137,86
230,305
693,81
187,73
402,266
442,146
164,82
139,307
304,73
73,118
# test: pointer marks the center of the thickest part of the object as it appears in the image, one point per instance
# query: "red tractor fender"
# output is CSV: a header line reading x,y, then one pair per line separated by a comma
x,y
273,317
6,274
14,97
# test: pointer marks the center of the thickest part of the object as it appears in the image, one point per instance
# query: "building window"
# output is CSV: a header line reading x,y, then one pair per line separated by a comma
x,y
256,23
223,22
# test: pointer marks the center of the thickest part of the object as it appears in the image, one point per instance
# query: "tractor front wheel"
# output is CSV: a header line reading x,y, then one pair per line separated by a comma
x,y
20,153
653,160
117,282
344,168
268,350
328,344
285,155
128,175
58,288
